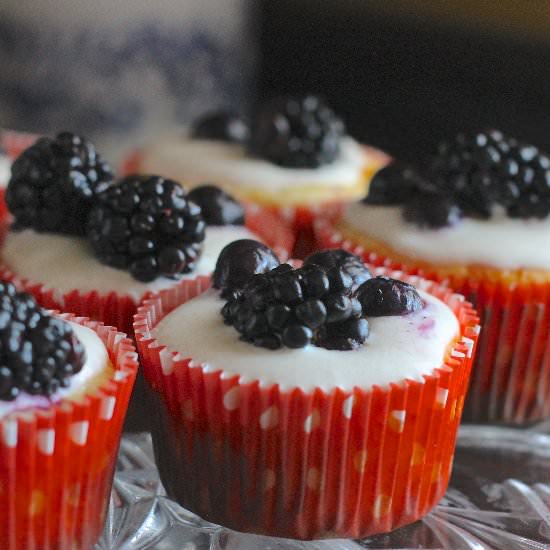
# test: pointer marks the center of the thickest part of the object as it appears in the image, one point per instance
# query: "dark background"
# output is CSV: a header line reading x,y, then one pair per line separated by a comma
x,y
404,83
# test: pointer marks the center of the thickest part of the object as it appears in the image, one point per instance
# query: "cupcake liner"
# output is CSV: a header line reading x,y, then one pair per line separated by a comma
x,y
57,464
298,464
510,380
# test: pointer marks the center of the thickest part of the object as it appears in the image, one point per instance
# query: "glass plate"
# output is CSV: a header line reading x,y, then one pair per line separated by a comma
x,y
499,498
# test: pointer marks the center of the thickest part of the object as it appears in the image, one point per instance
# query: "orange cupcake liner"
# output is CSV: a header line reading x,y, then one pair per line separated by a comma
x,y
115,309
57,464
510,380
298,464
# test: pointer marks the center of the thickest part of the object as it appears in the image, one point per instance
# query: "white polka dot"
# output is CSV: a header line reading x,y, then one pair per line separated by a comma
x,y
397,420
381,506
269,479
269,418
441,396
9,433
46,441
469,343
232,398
313,478
312,421
457,354
348,406
107,408
79,432
166,362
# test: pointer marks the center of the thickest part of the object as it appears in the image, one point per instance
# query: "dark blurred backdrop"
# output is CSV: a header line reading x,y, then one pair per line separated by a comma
x,y
407,73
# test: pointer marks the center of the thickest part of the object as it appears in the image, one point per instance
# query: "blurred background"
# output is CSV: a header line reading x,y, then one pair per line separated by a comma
x,y
404,73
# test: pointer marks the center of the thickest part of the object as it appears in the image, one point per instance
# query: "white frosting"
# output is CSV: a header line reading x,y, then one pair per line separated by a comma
x,y
193,161
501,241
66,263
398,347
97,360
5,171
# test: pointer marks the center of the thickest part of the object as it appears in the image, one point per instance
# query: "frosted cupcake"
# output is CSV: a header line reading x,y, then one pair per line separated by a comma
x,y
295,160
307,403
64,389
477,220
96,248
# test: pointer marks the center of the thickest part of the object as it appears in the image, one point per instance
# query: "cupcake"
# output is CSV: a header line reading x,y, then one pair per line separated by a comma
x,y
316,402
83,244
295,160
477,219
64,389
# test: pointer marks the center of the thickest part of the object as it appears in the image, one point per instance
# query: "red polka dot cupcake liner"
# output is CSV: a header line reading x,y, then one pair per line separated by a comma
x,y
57,464
511,375
297,464
115,309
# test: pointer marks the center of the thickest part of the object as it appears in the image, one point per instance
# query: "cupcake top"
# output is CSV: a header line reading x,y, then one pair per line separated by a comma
x,y
294,147
80,230
483,199
44,359
327,324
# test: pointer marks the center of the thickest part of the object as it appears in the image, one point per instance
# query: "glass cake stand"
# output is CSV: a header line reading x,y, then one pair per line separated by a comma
x,y
499,498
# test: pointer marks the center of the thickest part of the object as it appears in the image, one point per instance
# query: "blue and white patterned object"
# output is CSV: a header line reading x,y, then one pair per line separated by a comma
x,y
122,72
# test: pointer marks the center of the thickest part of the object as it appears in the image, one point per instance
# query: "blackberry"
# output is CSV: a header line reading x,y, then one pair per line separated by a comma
x,y
217,206
147,225
53,183
489,168
221,126
296,307
38,353
345,263
296,132
238,261
432,210
384,296
396,184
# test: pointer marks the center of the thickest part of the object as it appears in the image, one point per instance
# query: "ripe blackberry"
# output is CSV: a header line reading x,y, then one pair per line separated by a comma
x,y
217,206
38,353
432,210
396,184
53,183
489,168
221,126
343,262
296,132
238,261
296,307
384,296
147,225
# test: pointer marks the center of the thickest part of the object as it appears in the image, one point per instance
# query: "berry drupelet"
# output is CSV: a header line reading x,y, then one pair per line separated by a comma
x,y
343,261
217,206
38,353
147,225
296,132
221,126
489,168
238,261
53,183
